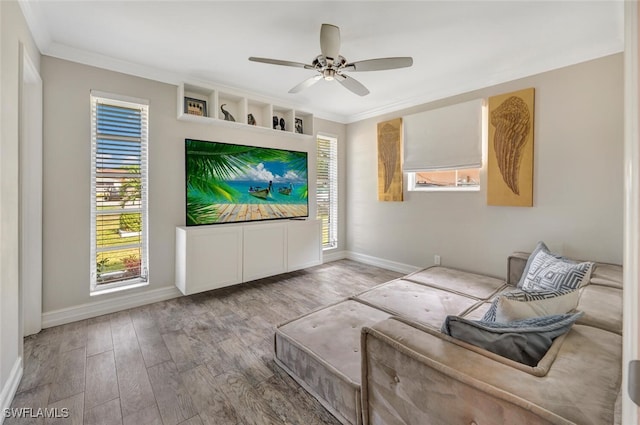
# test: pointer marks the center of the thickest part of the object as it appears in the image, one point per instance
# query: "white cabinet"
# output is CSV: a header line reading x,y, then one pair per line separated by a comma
x,y
211,257
301,253
203,104
208,258
265,251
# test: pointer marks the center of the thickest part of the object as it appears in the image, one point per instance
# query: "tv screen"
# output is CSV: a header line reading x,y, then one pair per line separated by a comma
x,y
229,183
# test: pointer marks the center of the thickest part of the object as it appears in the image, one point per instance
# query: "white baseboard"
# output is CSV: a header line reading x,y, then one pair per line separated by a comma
x,y
111,305
10,387
333,255
381,262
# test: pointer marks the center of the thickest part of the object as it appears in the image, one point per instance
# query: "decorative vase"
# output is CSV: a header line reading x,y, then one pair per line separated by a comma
x,y
275,122
282,124
251,119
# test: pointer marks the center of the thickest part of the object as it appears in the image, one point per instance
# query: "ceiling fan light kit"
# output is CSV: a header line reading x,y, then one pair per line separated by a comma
x,y
331,65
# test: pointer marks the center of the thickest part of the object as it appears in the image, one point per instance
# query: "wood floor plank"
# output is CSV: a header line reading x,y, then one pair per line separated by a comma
x,y
179,346
69,378
147,416
35,398
213,407
233,356
108,413
40,367
99,337
172,396
133,382
74,406
152,346
255,410
101,379
192,421
73,336
205,359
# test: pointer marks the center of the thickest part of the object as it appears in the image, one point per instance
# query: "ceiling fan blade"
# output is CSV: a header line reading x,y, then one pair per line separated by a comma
x,y
306,83
379,64
352,84
330,41
281,62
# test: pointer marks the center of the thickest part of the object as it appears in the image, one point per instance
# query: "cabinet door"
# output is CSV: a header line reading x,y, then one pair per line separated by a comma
x,y
265,248
213,259
303,244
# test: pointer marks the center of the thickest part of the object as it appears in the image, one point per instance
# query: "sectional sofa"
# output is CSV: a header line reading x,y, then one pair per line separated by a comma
x,y
379,357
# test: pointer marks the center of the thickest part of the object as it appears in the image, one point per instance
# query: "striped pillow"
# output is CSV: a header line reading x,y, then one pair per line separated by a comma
x,y
519,305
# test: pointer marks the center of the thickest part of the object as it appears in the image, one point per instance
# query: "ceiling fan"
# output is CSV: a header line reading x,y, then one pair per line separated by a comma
x,y
331,65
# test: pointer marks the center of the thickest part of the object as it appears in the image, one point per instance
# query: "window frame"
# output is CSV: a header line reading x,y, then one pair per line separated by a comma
x,y
332,181
412,187
142,280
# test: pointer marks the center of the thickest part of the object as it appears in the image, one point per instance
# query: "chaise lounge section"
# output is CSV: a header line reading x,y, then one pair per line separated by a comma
x,y
379,357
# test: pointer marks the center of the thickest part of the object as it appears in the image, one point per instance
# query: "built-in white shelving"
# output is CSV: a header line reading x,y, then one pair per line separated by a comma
x,y
198,103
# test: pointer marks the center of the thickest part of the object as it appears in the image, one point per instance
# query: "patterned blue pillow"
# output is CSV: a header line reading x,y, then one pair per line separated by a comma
x,y
548,272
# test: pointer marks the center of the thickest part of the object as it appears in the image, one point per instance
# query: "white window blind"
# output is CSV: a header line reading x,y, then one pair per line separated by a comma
x,y
119,130
444,139
327,190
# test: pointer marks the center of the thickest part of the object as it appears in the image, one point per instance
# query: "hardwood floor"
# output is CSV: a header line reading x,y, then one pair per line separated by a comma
x,y
205,359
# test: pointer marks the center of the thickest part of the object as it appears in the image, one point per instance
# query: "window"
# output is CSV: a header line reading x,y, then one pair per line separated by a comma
x,y
443,147
463,179
119,136
327,192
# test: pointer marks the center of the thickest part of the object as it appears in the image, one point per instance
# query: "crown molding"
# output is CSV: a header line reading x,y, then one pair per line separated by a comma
x,y
37,24
512,74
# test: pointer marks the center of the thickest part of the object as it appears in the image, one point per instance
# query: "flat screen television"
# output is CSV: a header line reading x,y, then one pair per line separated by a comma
x,y
230,183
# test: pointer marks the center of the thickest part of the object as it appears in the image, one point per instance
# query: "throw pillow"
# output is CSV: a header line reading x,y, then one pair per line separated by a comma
x,y
518,305
524,341
547,271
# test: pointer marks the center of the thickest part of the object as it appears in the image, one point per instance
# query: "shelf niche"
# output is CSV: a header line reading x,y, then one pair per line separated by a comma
x,y
239,106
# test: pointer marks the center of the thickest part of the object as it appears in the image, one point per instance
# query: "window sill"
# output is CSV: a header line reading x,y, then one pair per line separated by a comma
x,y
446,189
117,287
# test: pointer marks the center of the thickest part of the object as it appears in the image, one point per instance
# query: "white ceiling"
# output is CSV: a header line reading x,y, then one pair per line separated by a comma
x,y
457,46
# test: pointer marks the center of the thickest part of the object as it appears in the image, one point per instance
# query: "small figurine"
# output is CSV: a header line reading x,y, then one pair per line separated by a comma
x,y
251,119
282,124
227,115
275,122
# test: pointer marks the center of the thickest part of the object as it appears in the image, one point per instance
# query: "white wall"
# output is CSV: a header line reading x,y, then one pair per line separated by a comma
x,y
67,176
13,33
578,183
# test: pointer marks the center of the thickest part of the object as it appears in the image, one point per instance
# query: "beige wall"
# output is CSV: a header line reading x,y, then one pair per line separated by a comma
x,y
578,183
13,34
67,174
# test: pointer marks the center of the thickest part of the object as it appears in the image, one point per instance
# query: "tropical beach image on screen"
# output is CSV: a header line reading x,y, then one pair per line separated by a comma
x,y
235,183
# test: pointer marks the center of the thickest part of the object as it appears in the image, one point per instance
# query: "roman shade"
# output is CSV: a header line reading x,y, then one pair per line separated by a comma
x,y
444,139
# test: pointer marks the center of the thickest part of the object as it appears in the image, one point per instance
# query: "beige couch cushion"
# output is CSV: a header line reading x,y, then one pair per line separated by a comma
x,y
471,284
602,306
416,302
607,275
422,377
321,350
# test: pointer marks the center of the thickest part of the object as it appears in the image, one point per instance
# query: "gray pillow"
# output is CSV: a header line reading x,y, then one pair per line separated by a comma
x,y
525,341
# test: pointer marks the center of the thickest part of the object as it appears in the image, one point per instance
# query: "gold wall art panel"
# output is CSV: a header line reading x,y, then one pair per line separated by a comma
x,y
510,156
390,160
